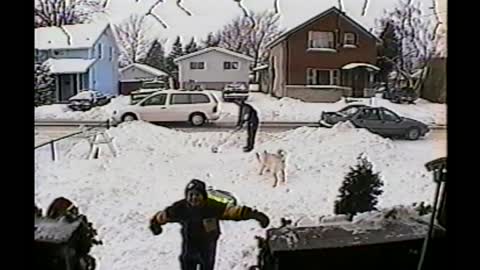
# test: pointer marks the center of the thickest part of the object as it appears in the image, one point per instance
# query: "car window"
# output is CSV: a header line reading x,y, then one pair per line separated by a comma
x,y
369,114
157,100
177,99
389,116
199,98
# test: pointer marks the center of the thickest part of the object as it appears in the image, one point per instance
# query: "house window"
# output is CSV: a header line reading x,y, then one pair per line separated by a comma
x,y
318,39
230,65
323,77
349,39
197,65
110,54
100,51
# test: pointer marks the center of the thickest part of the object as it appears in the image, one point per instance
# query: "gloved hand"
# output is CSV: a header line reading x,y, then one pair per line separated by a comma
x,y
261,218
155,227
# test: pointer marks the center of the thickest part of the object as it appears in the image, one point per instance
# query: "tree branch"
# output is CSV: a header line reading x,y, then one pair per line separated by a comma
x,y
182,8
276,6
340,5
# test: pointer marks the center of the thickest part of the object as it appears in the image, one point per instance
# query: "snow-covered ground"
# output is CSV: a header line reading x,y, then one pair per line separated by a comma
x,y
270,108
120,194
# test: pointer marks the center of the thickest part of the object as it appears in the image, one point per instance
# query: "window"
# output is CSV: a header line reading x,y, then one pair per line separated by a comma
x,y
199,98
389,116
197,65
157,100
349,39
230,65
370,114
110,54
318,39
322,77
349,111
100,51
177,99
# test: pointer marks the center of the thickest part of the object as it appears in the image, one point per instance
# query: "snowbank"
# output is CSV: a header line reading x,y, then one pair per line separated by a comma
x,y
288,109
154,164
61,111
270,109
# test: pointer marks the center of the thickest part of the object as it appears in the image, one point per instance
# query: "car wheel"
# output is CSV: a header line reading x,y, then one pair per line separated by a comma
x,y
129,117
197,119
413,133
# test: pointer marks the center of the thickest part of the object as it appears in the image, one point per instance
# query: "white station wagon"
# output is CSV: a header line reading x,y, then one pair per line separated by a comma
x,y
196,107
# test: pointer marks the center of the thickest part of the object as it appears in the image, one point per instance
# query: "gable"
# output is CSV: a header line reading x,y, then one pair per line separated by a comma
x,y
213,50
316,20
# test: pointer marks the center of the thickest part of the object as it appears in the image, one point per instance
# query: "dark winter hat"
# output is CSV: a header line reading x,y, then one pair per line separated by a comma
x,y
197,185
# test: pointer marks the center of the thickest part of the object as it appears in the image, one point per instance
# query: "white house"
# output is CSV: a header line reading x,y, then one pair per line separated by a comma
x,y
81,56
133,76
212,68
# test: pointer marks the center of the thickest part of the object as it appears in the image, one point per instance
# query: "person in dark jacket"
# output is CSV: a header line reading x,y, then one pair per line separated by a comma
x,y
199,217
249,116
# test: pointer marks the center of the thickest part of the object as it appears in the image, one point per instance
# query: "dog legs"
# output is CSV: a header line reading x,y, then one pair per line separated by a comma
x,y
276,180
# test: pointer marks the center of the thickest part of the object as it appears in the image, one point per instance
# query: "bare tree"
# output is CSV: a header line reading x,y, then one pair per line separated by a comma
x,y
417,34
133,39
239,35
64,12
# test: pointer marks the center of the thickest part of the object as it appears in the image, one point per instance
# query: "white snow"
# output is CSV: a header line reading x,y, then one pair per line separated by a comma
x,y
72,65
62,112
273,109
146,68
154,163
288,109
82,36
88,95
355,65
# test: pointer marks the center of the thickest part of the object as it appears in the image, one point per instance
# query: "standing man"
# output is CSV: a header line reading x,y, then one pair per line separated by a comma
x,y
199,217
248,115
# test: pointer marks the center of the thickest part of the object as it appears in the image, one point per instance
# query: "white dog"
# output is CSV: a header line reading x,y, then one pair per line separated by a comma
x,y
274,163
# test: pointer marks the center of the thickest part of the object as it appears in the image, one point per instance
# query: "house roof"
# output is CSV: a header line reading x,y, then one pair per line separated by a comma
x,y
68,66
291,31
146,68
77,36
218,49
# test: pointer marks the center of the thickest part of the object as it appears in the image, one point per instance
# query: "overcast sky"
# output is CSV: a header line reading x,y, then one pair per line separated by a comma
x,y
211,15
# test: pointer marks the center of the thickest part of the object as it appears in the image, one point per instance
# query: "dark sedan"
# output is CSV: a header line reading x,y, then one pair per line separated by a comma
x,y
377,120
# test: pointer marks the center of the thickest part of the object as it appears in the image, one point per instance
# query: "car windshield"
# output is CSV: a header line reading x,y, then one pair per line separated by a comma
x,y
349,111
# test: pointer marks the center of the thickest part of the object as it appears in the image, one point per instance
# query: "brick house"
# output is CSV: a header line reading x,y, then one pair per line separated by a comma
x,y
323,59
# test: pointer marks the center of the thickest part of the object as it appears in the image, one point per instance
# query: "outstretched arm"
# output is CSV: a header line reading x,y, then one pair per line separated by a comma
x,y
170,214
244,213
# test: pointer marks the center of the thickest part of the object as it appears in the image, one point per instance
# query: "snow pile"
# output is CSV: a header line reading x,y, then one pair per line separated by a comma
x,y
62,112
153,165
288,109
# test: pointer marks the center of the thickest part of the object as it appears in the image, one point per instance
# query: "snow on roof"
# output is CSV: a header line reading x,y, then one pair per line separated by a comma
x,y
292,30
146,68
73,65
218,49
355,65
76,36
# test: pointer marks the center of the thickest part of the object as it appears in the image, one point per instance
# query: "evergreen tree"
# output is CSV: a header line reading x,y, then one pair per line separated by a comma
x,y
44,85
191,46
172,68
211,41
156,56
359,190
391,48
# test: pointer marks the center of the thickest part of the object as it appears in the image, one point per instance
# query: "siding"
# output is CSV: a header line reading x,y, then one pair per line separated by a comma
x,y
104,73
214,71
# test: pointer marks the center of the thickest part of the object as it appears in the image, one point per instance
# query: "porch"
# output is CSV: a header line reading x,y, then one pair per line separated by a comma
x,y
71,76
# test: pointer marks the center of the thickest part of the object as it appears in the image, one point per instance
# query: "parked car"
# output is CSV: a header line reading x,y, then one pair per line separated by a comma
x,y
147,89
402,95
235,91
196,107
377,120
87,99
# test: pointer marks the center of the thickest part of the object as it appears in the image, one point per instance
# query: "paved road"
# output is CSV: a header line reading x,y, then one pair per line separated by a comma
x,y
46,133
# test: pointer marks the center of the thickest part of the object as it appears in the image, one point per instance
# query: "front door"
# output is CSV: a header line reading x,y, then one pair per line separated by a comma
x,y
154,109
369,119
67,86
358,82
